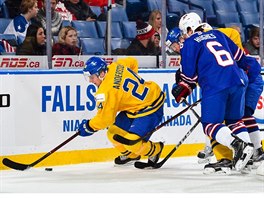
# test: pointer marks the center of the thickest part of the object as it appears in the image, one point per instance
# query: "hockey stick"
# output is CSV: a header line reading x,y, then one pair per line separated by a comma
x,y
126,141
160,164
183,139
19,166
142,165
194,112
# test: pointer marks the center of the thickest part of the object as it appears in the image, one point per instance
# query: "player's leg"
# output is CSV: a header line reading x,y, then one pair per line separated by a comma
x,y
221,152
121,127
252,96
254,134
214,109
145,148
205,155
139,128
224,157
243,150
133,129
126,155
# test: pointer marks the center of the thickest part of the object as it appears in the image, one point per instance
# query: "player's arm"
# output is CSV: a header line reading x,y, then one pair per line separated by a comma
x,y
183,86
187,78
106,111
251,66
104,117
247,63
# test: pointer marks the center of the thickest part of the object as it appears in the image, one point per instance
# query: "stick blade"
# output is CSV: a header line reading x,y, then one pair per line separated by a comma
x,y
14,165
143,165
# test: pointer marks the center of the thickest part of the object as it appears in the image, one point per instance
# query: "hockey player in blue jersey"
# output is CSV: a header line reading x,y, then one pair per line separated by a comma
x,y
209,58
173,41
223,154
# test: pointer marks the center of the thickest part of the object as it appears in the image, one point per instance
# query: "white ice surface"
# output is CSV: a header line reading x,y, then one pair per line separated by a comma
x,y
178,175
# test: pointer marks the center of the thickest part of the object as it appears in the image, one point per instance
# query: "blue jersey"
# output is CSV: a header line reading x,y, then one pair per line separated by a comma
x,y
251,66
210,57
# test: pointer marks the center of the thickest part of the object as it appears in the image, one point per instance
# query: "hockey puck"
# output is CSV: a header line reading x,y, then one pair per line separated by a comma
x,y
48,169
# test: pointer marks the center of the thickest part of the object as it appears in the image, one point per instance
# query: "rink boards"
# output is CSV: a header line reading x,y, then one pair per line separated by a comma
x,y
39,109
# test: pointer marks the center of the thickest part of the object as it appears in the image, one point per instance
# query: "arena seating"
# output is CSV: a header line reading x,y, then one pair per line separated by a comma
x,y
3,10
225,5
247,6
208,6
249,18
129,29
119,43
219,13
118,14
96,10
154,5
177,7
66,23
92,46
116,31
3,24
85,29
224,17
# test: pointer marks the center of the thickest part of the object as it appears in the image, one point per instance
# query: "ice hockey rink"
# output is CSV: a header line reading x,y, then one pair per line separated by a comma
x,y
178,175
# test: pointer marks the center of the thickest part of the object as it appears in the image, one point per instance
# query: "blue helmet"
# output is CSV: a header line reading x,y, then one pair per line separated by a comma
x,y
94,65
173,36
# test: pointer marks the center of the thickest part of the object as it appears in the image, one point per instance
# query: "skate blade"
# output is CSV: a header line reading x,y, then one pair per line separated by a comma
x,y
255,165
260,169
223,171
247,153
131,163
204,161
246,170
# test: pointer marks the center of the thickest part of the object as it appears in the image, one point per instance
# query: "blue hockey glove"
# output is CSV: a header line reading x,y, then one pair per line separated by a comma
x,y
85,129
181,91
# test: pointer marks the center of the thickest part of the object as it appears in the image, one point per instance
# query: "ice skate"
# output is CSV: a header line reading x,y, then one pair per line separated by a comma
x,y
247,169
260,169
242,152
224,166
154,159
258,157
124,160
205,155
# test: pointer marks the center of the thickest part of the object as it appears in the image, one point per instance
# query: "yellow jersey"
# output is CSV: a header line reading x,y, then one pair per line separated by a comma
x,y
233,35
124,90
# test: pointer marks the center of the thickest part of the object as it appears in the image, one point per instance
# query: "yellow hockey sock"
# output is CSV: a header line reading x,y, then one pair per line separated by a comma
x,y
120,147
221,151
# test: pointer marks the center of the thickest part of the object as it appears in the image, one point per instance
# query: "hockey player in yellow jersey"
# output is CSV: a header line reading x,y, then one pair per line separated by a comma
x,y
127,105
